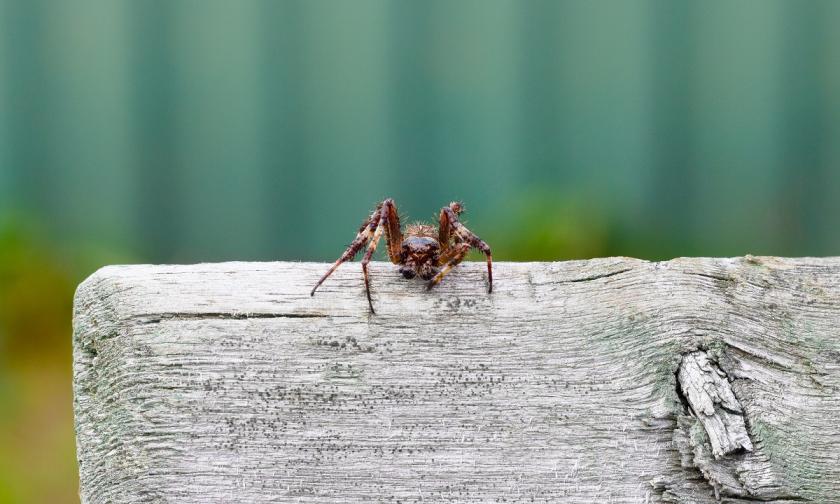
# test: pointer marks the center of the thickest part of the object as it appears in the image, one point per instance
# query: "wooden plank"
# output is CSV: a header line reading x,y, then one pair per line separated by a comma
x,y
578,381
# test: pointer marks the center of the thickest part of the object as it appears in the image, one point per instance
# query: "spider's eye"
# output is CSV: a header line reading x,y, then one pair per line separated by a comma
x,y
407,273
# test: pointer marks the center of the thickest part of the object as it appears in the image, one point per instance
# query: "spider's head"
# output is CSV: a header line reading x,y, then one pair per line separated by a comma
x,y
419,255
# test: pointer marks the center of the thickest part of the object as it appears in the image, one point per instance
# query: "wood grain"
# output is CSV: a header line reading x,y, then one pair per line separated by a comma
x,y
229,383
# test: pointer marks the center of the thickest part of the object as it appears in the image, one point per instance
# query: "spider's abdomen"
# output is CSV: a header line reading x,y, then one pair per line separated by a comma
x,y
420,229
420,243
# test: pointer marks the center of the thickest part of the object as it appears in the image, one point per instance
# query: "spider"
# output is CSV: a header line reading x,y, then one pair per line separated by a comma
x,y
423,250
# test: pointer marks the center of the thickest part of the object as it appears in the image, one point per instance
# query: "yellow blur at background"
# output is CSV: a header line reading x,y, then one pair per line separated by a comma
x,y
186,131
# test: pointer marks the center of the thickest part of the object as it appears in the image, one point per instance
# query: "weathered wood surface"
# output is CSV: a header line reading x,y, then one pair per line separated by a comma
x,y
610,380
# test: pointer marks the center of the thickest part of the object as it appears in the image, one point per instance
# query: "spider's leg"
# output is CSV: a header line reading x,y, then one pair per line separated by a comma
x,y
389,221
393,234
365,233
450,252
444,234
368,254
452,227
454,256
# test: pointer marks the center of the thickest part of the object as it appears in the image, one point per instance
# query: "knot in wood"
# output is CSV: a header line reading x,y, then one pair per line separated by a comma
x,y
710,399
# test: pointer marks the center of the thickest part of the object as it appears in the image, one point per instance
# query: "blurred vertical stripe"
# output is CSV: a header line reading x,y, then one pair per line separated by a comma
x,y
208,130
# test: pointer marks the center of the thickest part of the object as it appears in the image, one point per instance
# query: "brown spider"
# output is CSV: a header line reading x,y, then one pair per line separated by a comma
x,y
423,251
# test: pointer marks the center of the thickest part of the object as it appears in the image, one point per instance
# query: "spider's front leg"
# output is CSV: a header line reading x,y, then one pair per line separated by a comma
x,y
384,217
366,232
389,221
450,230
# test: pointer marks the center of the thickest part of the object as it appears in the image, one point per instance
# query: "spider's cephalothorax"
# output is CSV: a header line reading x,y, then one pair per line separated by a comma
x,y
423,250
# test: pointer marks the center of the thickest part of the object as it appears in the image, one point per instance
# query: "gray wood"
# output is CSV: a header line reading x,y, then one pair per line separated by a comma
x,y
609,380
711,400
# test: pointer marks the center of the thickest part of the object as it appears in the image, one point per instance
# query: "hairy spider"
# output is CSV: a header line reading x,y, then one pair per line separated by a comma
x,y
423,250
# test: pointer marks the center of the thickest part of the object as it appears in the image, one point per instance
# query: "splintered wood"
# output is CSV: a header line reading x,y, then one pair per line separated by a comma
x,y
711,399
611,380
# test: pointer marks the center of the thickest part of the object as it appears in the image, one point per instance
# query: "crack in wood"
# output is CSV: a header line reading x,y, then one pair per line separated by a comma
x,y
160,317
713,276
597,277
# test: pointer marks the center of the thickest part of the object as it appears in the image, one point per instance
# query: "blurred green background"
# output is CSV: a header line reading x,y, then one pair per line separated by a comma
x,y
184,131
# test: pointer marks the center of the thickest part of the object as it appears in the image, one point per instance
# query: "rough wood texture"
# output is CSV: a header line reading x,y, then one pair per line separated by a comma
x,y
577,381
711,399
